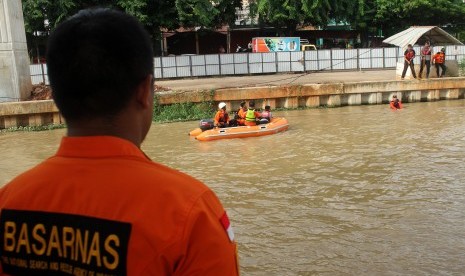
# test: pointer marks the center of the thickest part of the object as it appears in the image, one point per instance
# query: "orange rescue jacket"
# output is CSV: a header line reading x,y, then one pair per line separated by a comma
x,y
101,206
221,117
439,58
241,113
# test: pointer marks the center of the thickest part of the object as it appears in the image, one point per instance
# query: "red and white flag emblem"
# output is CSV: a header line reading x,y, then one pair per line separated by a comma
x,y
227,226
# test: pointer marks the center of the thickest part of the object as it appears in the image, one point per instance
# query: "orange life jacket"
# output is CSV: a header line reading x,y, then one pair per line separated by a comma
x,y
222,116
241,113
426,51
409,55
395,104
439,57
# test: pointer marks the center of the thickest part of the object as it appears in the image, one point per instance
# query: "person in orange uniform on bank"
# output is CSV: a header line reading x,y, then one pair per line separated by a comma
x,y
251,116
439,59
425,54
100,205
395,103
241,114
221,117
409,56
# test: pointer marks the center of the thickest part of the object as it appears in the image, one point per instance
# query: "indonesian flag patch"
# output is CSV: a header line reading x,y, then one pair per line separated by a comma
x,y
227,226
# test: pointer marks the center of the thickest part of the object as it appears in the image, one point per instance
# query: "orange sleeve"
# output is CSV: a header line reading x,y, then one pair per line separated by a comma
x,y
217,118
241,114
257,115
209,247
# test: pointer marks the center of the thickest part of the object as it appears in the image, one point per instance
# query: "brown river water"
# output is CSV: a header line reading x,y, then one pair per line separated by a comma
x,y
346,191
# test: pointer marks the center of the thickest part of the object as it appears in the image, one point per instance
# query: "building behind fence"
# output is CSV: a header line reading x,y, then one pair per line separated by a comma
x,y
186,66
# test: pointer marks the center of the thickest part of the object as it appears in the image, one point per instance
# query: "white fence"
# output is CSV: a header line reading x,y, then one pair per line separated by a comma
x,y
261,63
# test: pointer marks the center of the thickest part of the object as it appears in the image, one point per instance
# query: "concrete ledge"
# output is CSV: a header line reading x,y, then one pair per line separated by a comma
x,y
363,92
30,113
29,107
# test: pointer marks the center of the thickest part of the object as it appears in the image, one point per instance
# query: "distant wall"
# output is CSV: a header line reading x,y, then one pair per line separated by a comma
x,y
188,66
331,94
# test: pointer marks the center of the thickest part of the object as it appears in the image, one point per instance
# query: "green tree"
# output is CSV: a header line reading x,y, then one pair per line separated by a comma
x,y
286,15
42,16
395,15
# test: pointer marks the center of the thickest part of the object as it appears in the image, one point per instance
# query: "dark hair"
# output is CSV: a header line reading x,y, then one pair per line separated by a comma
x,y
410,45
267,107
242,104
251,104
95,60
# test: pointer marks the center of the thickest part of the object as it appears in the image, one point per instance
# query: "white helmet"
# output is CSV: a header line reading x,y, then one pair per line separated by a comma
x,y
222,105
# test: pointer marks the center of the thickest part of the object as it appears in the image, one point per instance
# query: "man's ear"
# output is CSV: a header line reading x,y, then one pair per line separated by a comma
x,y
144,94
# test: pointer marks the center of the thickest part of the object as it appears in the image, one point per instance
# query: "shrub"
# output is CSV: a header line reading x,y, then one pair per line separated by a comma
x,y
462,68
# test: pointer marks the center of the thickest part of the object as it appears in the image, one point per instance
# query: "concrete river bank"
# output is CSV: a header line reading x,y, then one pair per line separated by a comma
x,y
357,190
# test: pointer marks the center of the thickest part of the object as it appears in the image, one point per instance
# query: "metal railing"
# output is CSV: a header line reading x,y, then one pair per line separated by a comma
x,y
186,66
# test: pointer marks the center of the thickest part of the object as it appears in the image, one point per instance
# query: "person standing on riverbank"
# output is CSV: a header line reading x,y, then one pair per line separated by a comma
x,y
409,55
439,59
100,205
425,60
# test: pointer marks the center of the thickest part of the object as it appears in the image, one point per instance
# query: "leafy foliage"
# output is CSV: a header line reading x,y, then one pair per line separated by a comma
x,y
289,13
395,15
41,16
44,15
389,15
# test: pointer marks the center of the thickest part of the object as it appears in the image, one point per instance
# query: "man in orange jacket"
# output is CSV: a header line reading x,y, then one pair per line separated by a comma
x,y
100,205
221,117
395,103
241,113
438,60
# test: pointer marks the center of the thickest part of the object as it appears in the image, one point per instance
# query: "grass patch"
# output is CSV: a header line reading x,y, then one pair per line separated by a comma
x,y
183,112
34,128
462,68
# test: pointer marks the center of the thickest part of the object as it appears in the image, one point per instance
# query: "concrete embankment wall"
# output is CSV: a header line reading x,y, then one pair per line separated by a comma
x,y
31,113
332,94
38,113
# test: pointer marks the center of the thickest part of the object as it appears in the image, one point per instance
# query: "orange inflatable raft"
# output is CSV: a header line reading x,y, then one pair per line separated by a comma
x,y
276,125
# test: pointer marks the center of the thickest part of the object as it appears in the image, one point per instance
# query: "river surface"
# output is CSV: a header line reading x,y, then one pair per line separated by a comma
x,y
346,191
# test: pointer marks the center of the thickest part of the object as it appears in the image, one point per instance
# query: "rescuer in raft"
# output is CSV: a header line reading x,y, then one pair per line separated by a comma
x,y
395,103
251,116
241,114
266,115
221,117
